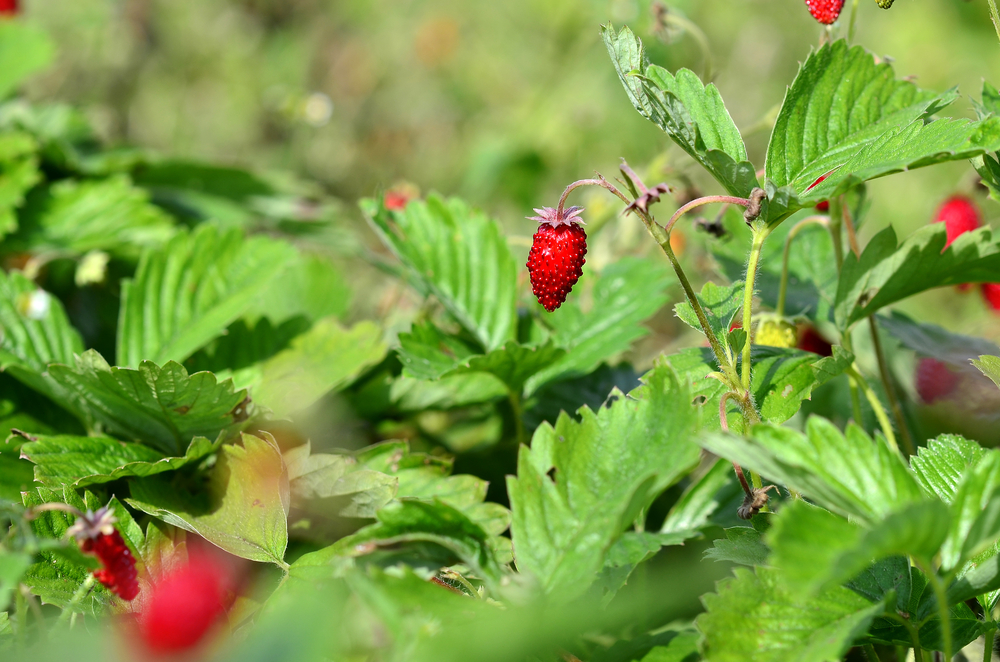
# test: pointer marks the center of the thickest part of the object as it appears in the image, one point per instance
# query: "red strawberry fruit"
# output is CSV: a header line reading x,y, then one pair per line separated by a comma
x,y
935,380
185,604
9,8
811,341
555,261
825,11
991,293
96,534
959,215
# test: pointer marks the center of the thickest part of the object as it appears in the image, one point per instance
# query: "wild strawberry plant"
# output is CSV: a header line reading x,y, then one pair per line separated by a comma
x,y
170,329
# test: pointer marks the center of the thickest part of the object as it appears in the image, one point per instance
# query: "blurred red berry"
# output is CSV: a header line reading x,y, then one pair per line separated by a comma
x,y
959,215
184,604
811,341
9,8
935,380
96,534
991,292
823,206
395,201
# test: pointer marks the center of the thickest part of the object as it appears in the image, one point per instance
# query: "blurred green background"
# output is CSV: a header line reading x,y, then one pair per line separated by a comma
x,y
500,103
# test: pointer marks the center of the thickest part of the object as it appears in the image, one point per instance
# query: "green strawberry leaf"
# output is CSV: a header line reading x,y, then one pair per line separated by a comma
x,y
682,648
849,474
754,612
886,272
975,521
989,366
625,555
34,332
245,509
323,359
24,50
931,340
79,216
701,500
849,120
12,568
721,305
311,286
18,173
987,165
162,407
459,256
690,112
428,353
428,477
80,461
941,465
316,476
815,549
581,483
187,292
432,522
781,379
606,319
742,545
965,628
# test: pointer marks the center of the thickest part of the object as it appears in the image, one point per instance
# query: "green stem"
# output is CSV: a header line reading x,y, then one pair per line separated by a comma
x,y
850,29
21,613
870,653
663,239
77,598
890,391
856,403
835,225
759,237
796,229
845,341
988,645
939,593
995,16
883,419
918,654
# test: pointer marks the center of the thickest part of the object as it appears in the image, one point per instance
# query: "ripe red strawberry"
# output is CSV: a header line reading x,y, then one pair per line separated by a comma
x,y
935,380
991,292
825,11
959,215
9,8
811,341
184,604
555,261
823,206
96,534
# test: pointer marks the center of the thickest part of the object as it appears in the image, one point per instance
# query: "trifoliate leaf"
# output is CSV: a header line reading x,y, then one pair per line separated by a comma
x,y
690,112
